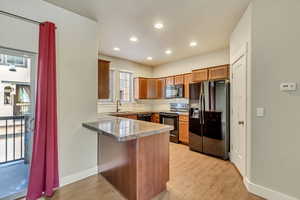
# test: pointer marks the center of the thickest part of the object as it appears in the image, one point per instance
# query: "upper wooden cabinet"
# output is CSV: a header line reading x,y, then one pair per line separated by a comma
x,y
219,72
187,82
161,83
152,88
141,88
200,75
149,88
179,79
170,80
103,79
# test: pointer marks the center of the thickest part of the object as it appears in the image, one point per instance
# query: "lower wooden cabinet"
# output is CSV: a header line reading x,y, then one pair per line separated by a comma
x,y
130,116
155,118
183,129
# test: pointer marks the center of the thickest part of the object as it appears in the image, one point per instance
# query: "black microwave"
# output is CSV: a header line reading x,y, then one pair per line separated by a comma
x,y
174,91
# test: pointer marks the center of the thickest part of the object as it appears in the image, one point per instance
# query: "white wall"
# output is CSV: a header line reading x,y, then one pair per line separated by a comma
x,y
276,138
241,37
76,75
138,70
219,57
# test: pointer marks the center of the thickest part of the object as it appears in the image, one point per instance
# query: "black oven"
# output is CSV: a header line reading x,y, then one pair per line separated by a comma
x,y
174,91
173,120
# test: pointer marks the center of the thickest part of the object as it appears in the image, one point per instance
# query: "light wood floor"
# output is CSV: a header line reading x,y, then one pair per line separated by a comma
x,y
193,176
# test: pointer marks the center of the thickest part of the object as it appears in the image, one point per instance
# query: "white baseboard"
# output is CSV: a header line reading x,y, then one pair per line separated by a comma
x,y
78,176
266,192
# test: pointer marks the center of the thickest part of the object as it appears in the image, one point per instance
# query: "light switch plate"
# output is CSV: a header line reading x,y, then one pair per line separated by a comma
x,y
260,112
288,86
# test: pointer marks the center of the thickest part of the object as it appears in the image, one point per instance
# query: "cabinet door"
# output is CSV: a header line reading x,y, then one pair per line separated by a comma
x,y
161,83
152,88
179,79
187,81
132,117
103,79
170,80
184,132
155,118
200,75
220,72
141,88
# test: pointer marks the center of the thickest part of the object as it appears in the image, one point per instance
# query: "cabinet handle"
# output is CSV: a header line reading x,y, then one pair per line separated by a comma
x,y
241,122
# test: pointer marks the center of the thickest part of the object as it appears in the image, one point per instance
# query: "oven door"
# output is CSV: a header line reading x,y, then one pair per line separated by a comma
x,y
171,120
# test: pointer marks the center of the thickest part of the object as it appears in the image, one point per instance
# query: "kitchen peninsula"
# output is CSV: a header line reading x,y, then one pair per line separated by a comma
x,y
133,155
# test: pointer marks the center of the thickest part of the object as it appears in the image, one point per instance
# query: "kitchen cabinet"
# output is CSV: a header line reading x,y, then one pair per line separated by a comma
x,y
155,118
187,82
184,129
161,83
131,116
219,72
141,88
103,79
200,75
149,88
170,80
152,88
179,79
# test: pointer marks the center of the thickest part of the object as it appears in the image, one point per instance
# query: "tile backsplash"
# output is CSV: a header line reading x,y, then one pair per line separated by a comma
x,y
140,105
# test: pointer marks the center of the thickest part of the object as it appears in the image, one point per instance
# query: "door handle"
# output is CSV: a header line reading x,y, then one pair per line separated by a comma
x,y
241,122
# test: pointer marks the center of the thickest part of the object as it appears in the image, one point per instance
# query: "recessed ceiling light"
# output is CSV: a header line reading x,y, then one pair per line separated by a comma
x,y
133,39
168,51
149,58
193,44
158,25
116,49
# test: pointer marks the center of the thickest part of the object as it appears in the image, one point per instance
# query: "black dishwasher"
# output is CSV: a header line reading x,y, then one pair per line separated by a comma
x,y
145,117
171,119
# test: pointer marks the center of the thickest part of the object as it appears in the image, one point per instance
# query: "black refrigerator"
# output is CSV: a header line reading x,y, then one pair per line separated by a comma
x,y
209,118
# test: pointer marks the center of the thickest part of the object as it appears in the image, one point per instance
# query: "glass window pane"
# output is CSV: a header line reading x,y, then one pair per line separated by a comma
x,y
125,86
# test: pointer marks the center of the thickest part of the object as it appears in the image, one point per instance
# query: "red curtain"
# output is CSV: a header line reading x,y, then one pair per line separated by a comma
x,y
43,178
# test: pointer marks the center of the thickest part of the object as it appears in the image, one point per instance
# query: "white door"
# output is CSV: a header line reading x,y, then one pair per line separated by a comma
x,y
238,109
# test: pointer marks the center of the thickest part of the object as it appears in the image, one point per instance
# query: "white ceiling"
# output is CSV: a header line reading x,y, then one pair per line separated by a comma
x,y
209,22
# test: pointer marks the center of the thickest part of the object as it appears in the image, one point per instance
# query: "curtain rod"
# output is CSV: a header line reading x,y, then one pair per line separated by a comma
x,y
19,17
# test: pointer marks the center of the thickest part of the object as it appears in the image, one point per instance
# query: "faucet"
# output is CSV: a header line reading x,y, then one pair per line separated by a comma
x,y
119,101
118,104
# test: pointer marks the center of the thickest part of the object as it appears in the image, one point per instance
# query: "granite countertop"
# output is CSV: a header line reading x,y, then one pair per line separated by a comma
x,y
124,129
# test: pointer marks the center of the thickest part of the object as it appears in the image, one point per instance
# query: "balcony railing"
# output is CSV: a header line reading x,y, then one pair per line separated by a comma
x,y
13,130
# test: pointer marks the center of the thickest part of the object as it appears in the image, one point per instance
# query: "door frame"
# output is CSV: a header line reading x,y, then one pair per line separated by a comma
x,y
242,52
33,82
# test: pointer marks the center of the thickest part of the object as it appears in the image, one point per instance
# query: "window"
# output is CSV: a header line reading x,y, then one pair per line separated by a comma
x,y
126,86
111,87
17,61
